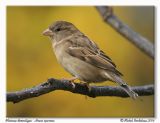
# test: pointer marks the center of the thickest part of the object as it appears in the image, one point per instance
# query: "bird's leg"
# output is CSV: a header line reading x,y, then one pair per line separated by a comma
x,y
87,85
71,81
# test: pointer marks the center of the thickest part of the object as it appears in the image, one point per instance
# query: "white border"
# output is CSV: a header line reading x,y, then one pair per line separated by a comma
x,y
2,62
4,3
157,63
80,2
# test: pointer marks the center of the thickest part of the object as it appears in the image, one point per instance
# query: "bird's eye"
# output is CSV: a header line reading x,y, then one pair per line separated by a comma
x,y
58,29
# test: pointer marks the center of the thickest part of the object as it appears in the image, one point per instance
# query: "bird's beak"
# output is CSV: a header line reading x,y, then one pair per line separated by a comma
x,y
47,32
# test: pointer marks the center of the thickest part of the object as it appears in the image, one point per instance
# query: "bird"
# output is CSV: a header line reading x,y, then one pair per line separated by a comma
x,y
82,57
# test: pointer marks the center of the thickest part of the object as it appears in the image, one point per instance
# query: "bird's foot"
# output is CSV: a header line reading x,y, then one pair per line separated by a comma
x,y
87,86
71,81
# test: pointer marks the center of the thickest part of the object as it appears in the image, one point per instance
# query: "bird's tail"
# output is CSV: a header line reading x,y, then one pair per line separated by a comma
x,y
129,91
124,86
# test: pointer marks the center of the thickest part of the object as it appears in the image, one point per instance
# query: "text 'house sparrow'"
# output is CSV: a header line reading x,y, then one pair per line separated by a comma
x,y
82,57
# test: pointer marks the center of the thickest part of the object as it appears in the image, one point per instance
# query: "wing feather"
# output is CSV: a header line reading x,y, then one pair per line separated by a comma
x,y
93,58
88,51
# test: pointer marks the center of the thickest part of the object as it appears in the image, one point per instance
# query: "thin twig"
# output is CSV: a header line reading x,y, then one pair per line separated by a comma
x,y
139,41
54,84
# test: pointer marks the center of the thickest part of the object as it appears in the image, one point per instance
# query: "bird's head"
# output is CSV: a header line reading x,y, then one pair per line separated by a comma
x,y
60,30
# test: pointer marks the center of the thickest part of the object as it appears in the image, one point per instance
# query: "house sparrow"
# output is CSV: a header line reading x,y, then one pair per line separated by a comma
x,y
82,57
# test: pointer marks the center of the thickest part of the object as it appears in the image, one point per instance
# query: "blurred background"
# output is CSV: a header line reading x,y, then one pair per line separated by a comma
x,y
30,61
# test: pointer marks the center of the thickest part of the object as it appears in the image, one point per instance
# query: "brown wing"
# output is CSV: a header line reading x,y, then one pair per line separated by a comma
x,y
81,40
87,50
93,58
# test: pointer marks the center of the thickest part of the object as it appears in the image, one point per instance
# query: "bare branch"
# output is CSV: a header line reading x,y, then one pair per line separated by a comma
x,y
54,84
139,41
